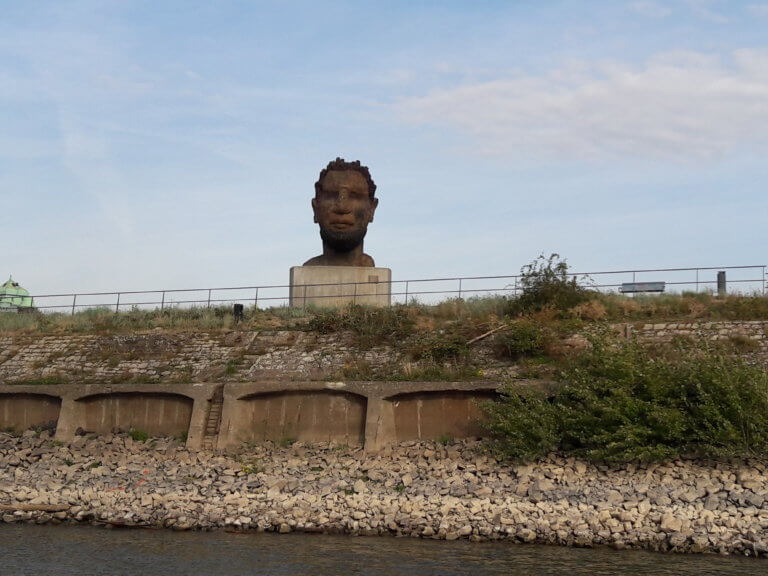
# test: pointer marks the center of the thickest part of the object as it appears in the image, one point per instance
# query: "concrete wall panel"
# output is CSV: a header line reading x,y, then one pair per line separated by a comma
x,y
430,415
22,411
155,413
311,416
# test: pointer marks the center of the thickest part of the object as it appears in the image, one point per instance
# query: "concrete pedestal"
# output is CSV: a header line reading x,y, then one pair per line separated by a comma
x,y
335,286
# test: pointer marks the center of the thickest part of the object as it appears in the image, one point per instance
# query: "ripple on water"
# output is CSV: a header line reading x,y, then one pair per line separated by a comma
x,y
86,551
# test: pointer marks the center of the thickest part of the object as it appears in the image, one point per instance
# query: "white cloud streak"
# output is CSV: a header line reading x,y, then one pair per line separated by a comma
x,y
759,10
650,9
681,105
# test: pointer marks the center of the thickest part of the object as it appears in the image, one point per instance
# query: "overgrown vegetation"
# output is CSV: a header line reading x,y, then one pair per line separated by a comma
x,y
545,283
371,326
524,338
623,401
138,435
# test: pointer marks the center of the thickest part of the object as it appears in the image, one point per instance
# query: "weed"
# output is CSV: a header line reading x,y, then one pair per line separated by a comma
x,y
432,372
286,441
94,465
445,440
371,326
42,381
138,435
251,467
743,343
400,487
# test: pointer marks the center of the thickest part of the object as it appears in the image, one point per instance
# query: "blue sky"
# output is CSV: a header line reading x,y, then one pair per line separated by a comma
x,y
172,144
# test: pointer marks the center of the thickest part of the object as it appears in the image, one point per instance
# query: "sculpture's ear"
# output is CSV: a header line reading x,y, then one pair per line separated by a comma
x,y
314,208
374,203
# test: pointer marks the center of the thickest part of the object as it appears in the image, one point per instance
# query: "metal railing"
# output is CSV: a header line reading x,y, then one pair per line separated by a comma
x,y
748,279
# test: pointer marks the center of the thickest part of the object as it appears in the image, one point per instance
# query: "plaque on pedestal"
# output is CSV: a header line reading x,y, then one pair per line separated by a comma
x,y
336,286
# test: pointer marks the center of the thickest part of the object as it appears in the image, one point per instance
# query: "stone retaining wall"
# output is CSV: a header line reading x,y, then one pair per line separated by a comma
x,y
269,355
752,335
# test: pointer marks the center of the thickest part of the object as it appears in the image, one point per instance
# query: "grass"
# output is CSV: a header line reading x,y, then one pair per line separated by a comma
x,y
42,381
685,306
462,318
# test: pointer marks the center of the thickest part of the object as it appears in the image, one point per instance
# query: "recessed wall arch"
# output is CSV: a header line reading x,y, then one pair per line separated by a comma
x,y
430,415
23,410
309,415
157,413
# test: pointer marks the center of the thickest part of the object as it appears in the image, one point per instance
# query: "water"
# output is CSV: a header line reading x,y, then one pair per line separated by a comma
x,y
87,551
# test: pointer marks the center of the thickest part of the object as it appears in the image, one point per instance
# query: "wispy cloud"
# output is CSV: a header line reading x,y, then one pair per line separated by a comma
x,y
676,105
759,10
650,9
705,10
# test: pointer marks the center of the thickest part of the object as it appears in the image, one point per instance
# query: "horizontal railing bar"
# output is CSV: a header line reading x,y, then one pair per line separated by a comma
x,y
409,284
362,296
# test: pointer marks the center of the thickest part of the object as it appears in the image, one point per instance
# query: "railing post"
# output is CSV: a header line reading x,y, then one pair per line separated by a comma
x,y
256,300
117,304
74,301
406,293
697,280
354,295
162,301
459,288
209,298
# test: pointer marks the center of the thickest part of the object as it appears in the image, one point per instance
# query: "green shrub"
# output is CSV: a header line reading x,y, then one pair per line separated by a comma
x,y
522,338
623,402
545,284
440,348
522,425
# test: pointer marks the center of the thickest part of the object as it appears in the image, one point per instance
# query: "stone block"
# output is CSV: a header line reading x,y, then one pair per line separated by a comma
x,y
336,286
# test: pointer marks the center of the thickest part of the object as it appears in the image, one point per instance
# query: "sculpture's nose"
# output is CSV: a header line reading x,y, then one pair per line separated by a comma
x,y
342,203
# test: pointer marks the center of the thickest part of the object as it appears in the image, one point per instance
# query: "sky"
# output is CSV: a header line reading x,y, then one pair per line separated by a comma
x,y
175,144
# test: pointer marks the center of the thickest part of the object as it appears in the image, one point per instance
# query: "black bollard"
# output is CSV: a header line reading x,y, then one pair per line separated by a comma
x,y
721,283
237,310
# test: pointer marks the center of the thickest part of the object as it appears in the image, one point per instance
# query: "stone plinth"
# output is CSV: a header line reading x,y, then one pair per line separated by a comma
x,y
334,286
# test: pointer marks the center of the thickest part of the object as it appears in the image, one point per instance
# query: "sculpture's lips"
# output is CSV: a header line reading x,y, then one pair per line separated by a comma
x,y
340,225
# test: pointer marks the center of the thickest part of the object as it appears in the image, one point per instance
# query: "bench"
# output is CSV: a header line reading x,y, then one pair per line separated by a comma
x,y
637,287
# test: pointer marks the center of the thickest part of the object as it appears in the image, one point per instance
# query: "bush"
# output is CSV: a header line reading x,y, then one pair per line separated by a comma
x,y
624,402
440,348
521,339
545,284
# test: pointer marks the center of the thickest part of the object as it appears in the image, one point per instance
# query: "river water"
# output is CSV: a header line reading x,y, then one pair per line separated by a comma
x,y
87,551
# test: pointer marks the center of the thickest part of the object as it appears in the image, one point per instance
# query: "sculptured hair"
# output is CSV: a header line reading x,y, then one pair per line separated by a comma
x,y
341,164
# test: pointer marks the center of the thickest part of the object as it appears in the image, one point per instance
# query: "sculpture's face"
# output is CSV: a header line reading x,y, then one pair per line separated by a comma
x,y
343,209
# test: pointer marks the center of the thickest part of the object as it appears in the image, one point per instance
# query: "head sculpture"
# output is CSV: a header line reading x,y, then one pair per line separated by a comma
x,y
344,205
